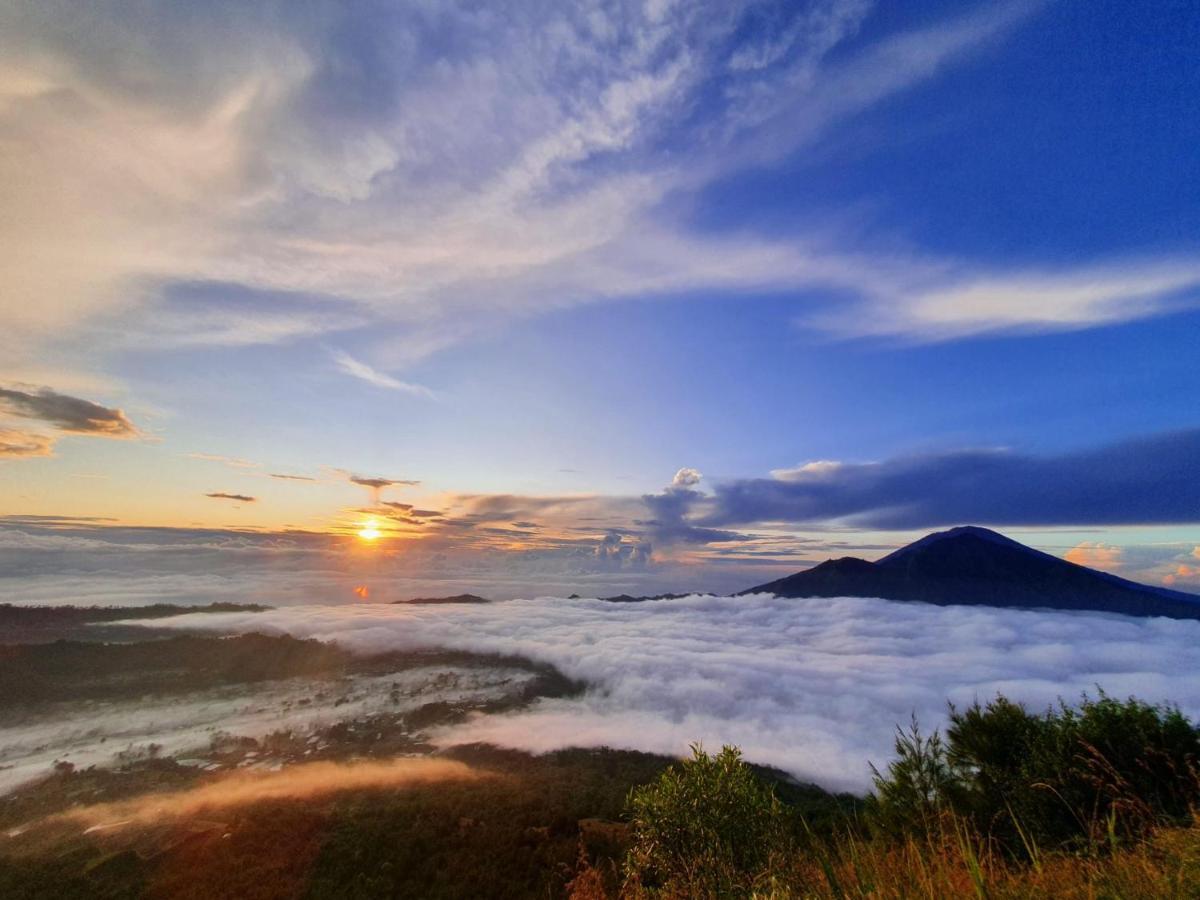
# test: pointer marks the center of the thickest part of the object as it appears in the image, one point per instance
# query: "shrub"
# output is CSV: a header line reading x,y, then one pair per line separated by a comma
x,y
917,786
708,827
1069,778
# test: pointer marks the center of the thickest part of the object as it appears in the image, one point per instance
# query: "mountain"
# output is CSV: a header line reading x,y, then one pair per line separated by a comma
x,y
977,567
457,598
627,598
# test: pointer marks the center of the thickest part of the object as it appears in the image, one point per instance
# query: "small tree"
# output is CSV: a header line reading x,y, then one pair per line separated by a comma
x,y
708,827
917,785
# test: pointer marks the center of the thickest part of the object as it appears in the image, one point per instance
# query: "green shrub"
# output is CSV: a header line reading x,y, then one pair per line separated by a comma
x,y
918,785
1068,778
707,827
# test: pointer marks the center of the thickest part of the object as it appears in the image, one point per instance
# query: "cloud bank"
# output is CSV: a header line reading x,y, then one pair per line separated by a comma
x,y
1150,480
815,687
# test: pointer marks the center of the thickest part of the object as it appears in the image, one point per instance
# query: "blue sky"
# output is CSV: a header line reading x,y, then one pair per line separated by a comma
x,y
562,252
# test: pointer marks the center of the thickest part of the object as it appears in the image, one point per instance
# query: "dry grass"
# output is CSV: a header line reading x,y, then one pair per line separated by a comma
x,y
953,862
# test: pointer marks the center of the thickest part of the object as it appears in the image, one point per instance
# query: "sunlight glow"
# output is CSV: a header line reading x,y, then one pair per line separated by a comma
x,y
369,531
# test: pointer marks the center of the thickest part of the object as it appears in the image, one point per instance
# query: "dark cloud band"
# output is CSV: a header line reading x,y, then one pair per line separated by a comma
x,y
1153,480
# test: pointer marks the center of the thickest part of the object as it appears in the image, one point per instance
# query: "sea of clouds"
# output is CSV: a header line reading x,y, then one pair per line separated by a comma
x,y
815,687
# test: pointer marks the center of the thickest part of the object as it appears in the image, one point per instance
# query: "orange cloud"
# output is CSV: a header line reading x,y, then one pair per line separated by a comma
x,y
24,443
1095,556
1183,571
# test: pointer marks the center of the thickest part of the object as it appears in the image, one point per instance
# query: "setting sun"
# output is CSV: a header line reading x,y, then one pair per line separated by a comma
x,y
369,531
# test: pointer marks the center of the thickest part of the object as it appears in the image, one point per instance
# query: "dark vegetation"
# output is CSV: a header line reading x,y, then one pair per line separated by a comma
x,y
36,674
1073,779
516,835
35,624
1092,801
976,566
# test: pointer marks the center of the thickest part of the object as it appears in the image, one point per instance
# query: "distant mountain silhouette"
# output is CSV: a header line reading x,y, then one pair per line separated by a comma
x,y
457,598
977,567
628,598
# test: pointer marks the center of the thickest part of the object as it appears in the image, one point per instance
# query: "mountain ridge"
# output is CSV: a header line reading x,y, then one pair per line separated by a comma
x,y
974,566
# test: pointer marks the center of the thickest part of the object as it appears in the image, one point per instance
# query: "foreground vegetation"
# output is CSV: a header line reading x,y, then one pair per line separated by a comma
x,y
1091,802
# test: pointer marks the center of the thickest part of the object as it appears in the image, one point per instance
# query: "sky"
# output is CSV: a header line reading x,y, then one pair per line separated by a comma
x,y
608,296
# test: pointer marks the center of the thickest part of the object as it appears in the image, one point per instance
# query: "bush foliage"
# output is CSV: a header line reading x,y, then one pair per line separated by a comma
x,y
1065,779
708,826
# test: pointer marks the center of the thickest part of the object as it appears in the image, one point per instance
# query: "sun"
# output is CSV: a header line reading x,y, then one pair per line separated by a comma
x,y
369,531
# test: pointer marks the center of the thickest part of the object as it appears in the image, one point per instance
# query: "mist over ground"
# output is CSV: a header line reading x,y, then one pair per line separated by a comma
x,y
813,686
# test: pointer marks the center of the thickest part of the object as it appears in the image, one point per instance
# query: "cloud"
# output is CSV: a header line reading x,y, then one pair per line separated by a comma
x,y
379,483
1149,480
69,414
613,550
686,478
221,495
291,477
1095,555
815,687
807,470
671,509
962,304
360,370
20,444
537,160
231,461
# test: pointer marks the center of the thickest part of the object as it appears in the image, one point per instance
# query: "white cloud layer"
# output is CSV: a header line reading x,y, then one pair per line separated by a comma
x,y
435,168
814,687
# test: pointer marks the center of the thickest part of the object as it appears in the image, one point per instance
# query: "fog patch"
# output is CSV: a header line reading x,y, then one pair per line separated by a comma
x,y
103,733
299,782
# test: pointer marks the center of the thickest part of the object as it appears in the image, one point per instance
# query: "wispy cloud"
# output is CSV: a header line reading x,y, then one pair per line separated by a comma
x,y
222,495
498,180
232,461
377,483
958,303
360,370
19,444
